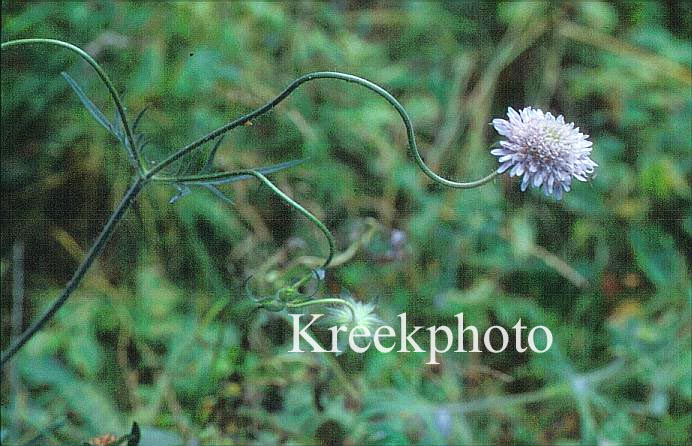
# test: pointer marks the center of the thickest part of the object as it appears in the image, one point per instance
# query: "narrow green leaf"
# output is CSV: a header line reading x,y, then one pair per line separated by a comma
x,y
139,118
214,190
90,106
266,170
212,153
183,190
115,129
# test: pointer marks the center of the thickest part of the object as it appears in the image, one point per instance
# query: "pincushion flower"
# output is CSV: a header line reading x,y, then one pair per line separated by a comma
x,y
544,149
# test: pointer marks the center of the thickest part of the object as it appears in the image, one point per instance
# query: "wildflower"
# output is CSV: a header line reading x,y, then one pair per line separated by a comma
x,y
544,149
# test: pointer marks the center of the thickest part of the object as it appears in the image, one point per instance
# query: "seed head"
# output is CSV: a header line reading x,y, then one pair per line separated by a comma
x,y
360,314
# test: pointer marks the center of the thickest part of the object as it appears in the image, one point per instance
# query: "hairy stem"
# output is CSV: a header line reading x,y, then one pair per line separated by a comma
x,y
413,148
79,274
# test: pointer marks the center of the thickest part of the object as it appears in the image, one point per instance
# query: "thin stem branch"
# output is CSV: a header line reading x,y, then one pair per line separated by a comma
x,y
79,274
413,148
220,176
330,238
326,300
106,80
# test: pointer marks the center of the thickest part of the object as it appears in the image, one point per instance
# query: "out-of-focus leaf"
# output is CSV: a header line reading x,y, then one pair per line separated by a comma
x,y
523,235
521,11
661,178
84,399
85,354
657,257
600,15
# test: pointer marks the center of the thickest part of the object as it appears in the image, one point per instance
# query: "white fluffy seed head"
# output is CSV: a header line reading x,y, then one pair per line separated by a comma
x,y
544,149
363,315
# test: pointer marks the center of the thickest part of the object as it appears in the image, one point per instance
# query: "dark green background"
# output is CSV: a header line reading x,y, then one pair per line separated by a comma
x,y
160,332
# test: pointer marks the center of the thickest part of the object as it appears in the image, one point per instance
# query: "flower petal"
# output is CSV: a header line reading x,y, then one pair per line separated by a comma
x,y
504,167
503,127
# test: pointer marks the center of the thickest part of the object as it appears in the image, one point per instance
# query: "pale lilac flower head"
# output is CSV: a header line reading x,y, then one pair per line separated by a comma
x,y
544,149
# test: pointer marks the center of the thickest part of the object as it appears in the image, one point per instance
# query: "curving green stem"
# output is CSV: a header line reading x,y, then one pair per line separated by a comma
x,y
200,179
144,175
106,80
326,300
79,274
413,148
303,280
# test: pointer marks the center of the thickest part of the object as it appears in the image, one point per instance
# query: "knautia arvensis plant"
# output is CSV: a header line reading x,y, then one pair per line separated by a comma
x,y
542,148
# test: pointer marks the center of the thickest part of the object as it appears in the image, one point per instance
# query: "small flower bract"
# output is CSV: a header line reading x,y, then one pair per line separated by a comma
x,y
544,149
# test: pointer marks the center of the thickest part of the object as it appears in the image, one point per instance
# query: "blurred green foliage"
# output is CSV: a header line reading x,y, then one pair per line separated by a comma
x,y
161,332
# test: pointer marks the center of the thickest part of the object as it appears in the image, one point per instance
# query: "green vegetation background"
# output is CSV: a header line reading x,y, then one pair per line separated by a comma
x,y
161,332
